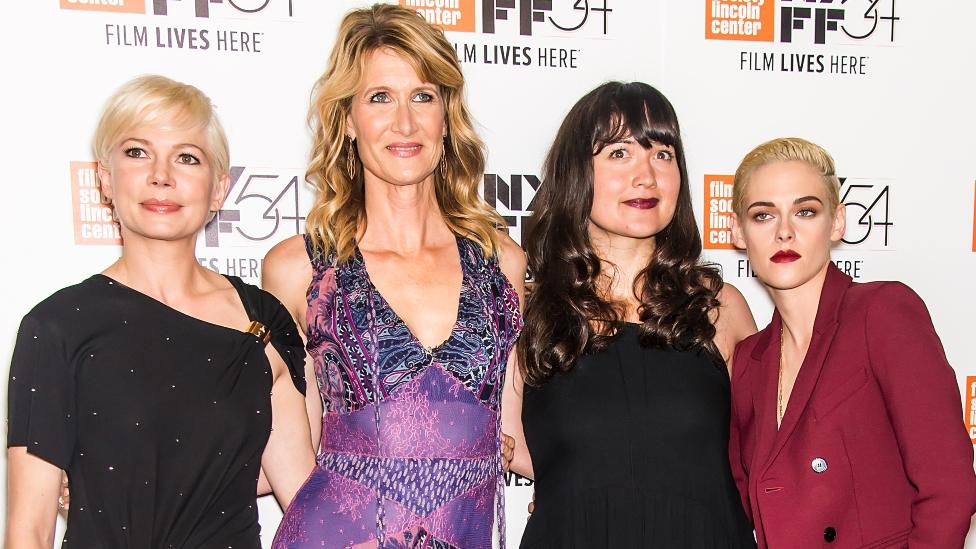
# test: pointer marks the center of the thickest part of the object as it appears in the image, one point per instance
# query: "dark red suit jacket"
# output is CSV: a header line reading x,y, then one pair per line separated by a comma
x,y
872,451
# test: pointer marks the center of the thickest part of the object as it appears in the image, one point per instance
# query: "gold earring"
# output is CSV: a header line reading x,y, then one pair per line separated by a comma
x,y
351,159
442,168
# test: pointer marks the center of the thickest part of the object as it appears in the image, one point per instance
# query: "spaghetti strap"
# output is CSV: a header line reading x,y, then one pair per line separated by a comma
x,y
314,256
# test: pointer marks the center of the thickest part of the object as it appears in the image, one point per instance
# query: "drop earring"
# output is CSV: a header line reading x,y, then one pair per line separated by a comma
x,y
442,167
351,159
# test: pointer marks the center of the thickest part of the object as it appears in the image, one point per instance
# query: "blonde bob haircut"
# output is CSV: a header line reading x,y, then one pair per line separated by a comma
x,y
337,216
786,149
150,98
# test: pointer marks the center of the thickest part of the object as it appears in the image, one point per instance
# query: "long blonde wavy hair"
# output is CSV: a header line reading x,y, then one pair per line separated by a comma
x,y
338,213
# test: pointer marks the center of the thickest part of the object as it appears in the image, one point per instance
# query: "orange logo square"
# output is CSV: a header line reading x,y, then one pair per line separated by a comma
x,y
969,395
449,15
93,218
718,212
117,6
751,20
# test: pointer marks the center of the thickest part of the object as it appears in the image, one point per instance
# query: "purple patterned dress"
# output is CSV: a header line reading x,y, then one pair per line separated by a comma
x,y
418,465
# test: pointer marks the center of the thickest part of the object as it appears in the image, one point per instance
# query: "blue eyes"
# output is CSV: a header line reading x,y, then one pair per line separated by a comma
x,y
384,97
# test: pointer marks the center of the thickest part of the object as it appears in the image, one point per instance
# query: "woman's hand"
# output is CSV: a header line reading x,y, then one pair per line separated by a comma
x,y
508,451
64,500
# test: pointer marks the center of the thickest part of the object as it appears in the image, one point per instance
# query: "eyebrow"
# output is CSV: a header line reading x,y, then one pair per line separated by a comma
x,y
800,200
179,145
426,86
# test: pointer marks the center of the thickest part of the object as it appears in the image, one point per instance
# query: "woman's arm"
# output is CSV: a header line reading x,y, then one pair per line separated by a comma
x,y
733,322
288,458
513,264
923,402
287,273
33,486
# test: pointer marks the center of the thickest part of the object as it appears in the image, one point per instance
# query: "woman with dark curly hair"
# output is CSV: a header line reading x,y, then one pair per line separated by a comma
x,y
626,340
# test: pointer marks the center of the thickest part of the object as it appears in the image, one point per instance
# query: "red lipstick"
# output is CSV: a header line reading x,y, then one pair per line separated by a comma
x,y
642,203
784,256
161,206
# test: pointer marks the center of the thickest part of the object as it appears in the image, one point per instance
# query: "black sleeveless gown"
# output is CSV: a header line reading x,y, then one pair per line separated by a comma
x,y
630,449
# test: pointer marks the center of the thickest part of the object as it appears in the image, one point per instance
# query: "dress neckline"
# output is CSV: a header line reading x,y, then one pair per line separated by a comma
x,y
398,320
176,312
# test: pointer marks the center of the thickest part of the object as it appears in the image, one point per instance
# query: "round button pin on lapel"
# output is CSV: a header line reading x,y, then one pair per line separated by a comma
x,y
819,465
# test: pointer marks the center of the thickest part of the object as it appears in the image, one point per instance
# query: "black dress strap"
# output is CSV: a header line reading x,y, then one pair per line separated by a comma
x,y
265,308
242,292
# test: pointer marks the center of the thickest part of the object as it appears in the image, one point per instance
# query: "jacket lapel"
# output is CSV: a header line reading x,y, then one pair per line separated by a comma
x,y
824,328
763,378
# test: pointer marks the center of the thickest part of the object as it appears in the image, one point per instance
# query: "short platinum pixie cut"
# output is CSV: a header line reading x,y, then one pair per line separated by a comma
x,y
148,98
786,149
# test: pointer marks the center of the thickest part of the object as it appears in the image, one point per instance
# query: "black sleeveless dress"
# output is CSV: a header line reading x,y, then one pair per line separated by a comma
x,y
630,449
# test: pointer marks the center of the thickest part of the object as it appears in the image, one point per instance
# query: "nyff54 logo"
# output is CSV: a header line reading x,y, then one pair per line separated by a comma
x,y
801,21
527,17
262,205
198,8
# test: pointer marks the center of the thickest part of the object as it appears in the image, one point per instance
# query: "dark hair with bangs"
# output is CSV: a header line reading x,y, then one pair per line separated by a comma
x,y
565,315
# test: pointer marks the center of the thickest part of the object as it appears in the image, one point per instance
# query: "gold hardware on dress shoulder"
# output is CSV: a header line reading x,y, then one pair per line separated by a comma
x,y
260,330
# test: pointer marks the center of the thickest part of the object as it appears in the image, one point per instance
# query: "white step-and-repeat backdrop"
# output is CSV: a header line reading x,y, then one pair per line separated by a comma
x,y
887,86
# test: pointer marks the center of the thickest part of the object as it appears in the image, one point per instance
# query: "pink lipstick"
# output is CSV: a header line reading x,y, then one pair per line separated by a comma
x,y
642,203
161,206
784,256
404,150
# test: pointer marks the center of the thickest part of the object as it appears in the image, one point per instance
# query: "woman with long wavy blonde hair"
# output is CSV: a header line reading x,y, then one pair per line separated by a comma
x,y
408,296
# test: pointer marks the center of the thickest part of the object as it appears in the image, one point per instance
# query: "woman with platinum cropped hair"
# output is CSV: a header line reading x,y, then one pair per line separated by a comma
x,y
846,423
151,383
408,296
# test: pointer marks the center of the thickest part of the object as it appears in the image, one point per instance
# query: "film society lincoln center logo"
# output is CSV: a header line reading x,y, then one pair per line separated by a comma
x,y
969,394
93,221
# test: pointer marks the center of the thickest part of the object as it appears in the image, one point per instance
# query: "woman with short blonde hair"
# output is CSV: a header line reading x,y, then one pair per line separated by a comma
x,y
151,384
845,406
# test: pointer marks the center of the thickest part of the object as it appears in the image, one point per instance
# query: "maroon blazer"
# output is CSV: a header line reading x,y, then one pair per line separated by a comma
x,y
872,451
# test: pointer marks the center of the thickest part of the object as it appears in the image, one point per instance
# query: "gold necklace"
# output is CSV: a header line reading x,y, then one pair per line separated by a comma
x,y
779,383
